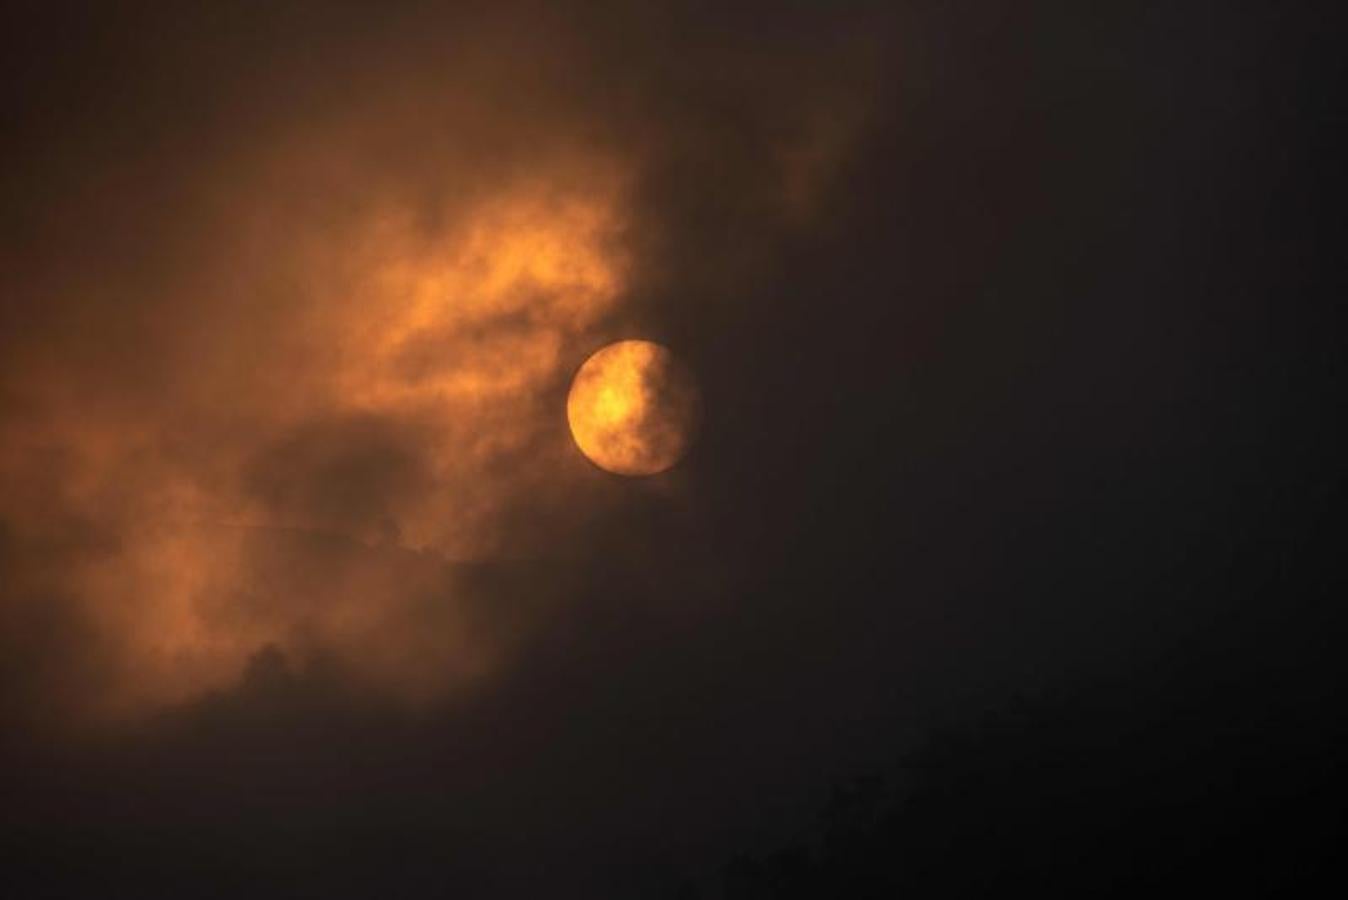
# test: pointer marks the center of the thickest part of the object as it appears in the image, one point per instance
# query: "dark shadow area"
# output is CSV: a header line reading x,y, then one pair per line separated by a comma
x,y
1218,769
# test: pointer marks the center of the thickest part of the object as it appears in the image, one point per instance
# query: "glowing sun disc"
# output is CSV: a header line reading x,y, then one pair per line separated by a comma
x,y
633,408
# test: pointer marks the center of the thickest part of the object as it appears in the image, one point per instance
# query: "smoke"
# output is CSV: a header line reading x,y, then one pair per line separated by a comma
x,y
326,280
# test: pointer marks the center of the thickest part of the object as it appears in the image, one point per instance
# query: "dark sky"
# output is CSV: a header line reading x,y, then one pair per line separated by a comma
x,y
1020,386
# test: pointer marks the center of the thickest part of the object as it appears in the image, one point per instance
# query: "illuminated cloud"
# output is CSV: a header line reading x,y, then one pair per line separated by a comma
x,y
346,316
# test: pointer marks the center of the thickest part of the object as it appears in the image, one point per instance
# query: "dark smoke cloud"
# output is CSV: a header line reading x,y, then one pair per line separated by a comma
x,y
303,588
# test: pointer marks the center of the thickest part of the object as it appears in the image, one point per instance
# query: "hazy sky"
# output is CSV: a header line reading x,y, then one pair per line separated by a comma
x,y
303,581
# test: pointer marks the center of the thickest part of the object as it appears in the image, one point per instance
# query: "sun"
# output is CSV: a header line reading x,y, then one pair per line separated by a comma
x,y
634,409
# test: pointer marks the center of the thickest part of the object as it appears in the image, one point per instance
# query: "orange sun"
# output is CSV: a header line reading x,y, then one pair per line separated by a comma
x,y
633,408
